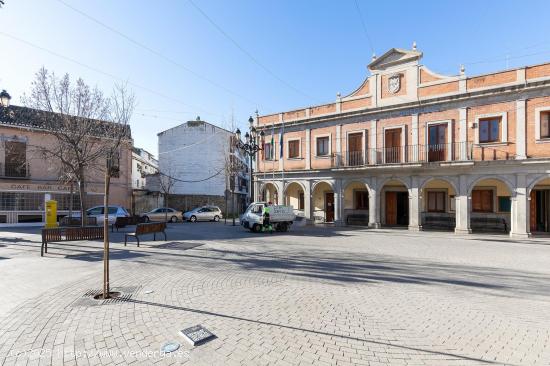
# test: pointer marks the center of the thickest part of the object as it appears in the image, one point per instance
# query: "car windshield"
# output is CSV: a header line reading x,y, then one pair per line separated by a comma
x,y
112,210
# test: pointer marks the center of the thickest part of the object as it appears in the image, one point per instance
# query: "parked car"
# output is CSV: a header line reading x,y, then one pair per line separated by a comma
x,y
162,214
97,212
204,213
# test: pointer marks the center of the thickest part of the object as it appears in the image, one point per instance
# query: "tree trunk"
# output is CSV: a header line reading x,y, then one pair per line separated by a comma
x,y
233,206
82,194
106,285
71,203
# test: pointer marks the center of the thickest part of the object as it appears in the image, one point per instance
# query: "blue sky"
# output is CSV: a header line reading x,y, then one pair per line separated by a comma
x,y
309,50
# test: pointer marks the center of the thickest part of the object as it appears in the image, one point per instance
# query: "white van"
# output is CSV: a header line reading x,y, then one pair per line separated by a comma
x,y
280,216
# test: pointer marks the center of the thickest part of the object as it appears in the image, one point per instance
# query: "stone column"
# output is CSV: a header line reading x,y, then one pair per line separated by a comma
x,y
374,204
463,203
308,149
463,133
415,151
339,158
520,129
372,142
338,203
415,221
307,201
520,209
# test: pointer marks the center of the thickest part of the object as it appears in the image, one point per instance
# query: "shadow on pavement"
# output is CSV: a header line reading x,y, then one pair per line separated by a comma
x,y
372,341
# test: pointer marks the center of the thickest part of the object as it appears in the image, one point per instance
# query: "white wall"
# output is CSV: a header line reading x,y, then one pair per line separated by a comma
x,y
194,151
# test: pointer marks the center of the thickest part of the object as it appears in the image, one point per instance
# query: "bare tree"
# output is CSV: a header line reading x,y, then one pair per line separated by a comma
x,y
166,185
78,117
118,134
89,131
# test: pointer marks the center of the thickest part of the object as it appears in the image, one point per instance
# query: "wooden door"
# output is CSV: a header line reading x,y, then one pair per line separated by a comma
x,y
329,207
437,137
355,149
391,208
533,211
392,145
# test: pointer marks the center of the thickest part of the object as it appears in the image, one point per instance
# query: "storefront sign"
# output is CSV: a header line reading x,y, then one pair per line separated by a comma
x,y
44,187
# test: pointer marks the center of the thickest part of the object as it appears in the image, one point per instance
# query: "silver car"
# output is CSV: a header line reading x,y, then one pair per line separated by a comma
x,y
162,214
205,213
97,212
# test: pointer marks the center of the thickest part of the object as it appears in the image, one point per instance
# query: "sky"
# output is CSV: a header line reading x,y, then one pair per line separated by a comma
x,y
223,60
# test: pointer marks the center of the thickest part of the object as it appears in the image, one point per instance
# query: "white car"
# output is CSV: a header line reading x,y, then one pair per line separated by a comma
x,y
97,212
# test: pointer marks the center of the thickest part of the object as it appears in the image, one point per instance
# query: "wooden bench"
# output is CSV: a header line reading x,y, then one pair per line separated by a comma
x,y
69,234
439,221
489,223
125,221
357,219
148,228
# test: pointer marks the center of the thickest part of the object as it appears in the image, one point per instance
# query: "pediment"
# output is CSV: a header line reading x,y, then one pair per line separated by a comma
x,y
393,57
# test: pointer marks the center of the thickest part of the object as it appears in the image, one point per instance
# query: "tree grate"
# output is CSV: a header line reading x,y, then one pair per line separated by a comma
x,y
87,298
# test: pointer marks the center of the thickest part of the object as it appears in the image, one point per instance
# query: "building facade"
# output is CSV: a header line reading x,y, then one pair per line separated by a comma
x,y
143,164
413,148
27,178
199,154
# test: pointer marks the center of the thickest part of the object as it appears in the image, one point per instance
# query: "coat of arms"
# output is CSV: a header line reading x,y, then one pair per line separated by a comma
x,y
394,83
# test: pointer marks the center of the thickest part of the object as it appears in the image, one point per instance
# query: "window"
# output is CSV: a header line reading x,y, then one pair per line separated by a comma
x,y
489,130
15,159
294,149
322,146
95,211
482,200
436,201
268,151
301,201
504,204
545,125
361,200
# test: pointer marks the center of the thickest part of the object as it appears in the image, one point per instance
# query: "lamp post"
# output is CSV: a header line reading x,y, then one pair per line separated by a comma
x,y
5,99
250,147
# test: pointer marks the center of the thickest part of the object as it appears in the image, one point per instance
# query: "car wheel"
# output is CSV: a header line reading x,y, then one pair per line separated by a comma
x,y
256,228
173,219
147,219
216,218
193,218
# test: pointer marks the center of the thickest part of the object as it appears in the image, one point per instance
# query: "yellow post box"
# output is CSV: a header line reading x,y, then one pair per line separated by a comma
x,y
51,213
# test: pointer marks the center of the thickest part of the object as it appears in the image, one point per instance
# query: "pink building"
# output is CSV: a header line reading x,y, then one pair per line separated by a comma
x,y
410,147
26,177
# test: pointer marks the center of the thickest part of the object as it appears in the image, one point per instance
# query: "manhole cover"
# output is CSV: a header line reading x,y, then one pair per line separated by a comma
x,y
169,347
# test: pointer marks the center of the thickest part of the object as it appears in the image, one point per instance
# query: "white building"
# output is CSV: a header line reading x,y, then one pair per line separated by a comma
x,y
143,163
197,153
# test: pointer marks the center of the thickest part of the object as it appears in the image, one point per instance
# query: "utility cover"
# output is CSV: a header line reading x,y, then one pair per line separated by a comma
x,y
197,335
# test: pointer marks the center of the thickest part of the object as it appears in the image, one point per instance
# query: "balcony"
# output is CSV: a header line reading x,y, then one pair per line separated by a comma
x,y
414,154
15,171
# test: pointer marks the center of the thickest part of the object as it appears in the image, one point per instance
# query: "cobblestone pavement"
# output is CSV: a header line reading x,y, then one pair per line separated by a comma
x,y
314,296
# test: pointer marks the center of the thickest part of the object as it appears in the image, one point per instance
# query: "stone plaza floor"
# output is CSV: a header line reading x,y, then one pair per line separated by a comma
x,y
313,296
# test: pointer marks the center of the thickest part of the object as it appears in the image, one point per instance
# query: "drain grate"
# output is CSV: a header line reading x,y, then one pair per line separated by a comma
x,y
87,298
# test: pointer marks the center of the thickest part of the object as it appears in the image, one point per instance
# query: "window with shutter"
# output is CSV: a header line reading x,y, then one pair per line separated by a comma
x,y
482,200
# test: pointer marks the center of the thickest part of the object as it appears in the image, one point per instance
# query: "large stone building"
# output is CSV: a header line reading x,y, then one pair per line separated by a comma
x,y
414,148
27,177
197,154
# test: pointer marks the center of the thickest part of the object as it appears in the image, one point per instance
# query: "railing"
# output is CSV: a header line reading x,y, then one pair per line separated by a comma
x,y
15,170
405,154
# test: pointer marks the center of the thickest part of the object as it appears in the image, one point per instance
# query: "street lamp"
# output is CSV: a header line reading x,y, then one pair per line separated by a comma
x,y
250,147
5,99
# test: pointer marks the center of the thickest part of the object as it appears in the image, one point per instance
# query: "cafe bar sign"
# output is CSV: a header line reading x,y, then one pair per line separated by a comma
x,y
37,187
